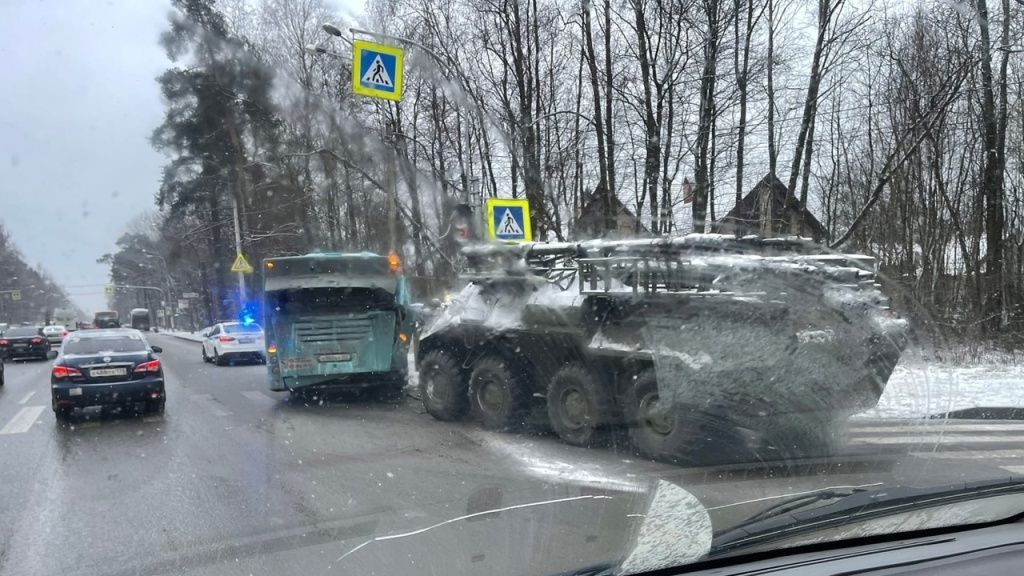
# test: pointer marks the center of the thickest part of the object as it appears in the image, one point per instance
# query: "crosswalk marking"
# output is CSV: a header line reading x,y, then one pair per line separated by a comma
x,y
939,439
937,428
23,420
971,455
27,397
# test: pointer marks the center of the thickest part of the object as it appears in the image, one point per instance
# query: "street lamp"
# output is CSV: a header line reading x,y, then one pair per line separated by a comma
x,y
331,29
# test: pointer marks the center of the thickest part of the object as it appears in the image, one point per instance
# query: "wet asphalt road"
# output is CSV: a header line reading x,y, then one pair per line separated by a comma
x,y
234,479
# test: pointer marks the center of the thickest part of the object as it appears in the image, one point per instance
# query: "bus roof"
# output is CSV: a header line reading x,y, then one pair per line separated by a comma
x,y
329,270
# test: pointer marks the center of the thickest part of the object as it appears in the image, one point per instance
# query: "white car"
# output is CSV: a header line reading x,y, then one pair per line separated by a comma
x,y
229,341
55,333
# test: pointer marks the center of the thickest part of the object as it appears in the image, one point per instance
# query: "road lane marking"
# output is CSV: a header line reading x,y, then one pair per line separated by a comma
x,y
211,404
971,455
937,428
23,420
260,397
26,398
939,439
1014,469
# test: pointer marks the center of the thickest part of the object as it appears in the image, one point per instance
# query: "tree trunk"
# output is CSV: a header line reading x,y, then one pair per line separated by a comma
x,y
602,155
810,110
706,115
652,129
773,152
992,177
609,121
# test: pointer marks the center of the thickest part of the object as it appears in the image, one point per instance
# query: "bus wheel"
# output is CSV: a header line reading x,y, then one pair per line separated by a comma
x,y
498,396
443,387
579,405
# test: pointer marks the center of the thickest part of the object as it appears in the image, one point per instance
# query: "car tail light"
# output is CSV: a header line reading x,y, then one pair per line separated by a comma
x,y
65,371
65,333
226,339
151,366
37,340
3,342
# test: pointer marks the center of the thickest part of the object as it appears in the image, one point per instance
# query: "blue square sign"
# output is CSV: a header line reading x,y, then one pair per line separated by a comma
x,y
508,220
376,70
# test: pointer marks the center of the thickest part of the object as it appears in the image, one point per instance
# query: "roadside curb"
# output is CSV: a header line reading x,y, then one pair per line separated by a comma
x,y
185,336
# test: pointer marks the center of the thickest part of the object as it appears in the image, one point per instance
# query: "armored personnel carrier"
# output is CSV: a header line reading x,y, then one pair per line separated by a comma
x,y
698,346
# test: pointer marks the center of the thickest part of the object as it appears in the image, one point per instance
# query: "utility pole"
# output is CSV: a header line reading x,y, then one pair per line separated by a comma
x,y
238,250
392,184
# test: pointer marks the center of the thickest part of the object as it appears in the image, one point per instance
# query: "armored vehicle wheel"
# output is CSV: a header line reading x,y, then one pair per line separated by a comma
x,y
652,424
579,405
498,395
443,386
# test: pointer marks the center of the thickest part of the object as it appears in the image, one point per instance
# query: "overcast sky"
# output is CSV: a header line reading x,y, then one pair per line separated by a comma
x,y
78,103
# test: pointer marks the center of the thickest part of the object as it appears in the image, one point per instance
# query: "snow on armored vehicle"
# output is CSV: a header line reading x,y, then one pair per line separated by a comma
x,y
695,343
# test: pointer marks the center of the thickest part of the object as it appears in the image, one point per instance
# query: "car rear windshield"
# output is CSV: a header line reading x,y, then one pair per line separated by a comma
x,y
21,332
240,328
98,345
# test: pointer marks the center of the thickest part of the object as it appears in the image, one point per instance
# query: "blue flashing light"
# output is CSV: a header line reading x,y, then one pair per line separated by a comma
x,y
249,313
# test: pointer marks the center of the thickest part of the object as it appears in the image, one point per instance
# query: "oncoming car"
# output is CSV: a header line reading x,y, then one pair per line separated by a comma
x,y
107,367
228,341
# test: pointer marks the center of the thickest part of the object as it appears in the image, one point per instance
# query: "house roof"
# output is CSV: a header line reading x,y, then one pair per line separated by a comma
x,y
593,208
747,212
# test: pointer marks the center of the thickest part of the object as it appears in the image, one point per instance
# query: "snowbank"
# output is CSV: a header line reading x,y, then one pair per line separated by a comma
x,y
192,337
920,389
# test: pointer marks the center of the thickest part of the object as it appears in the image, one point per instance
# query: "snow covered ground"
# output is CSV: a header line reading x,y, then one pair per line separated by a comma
x,y
918,389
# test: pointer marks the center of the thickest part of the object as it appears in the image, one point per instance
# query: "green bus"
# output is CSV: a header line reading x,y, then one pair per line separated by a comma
x,y
336,320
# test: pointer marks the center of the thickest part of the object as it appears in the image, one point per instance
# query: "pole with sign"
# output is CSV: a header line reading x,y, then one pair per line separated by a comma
x,y
508,220
377,70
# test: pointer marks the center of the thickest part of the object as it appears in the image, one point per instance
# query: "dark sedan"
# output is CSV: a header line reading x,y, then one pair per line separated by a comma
x,y
25,342
107,367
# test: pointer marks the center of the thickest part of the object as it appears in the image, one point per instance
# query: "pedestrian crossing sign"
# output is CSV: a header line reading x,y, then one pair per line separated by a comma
x,y
377,70
508,220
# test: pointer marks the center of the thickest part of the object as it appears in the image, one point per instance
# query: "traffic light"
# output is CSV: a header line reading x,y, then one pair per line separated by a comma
x,y
465,227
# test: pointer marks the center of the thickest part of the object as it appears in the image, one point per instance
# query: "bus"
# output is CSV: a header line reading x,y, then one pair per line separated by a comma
x,y
106,319
140,319
336,320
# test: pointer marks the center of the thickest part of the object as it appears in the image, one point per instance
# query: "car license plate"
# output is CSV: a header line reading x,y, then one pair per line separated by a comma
x,y
334,357
21,346
75,392
245,340
103,372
